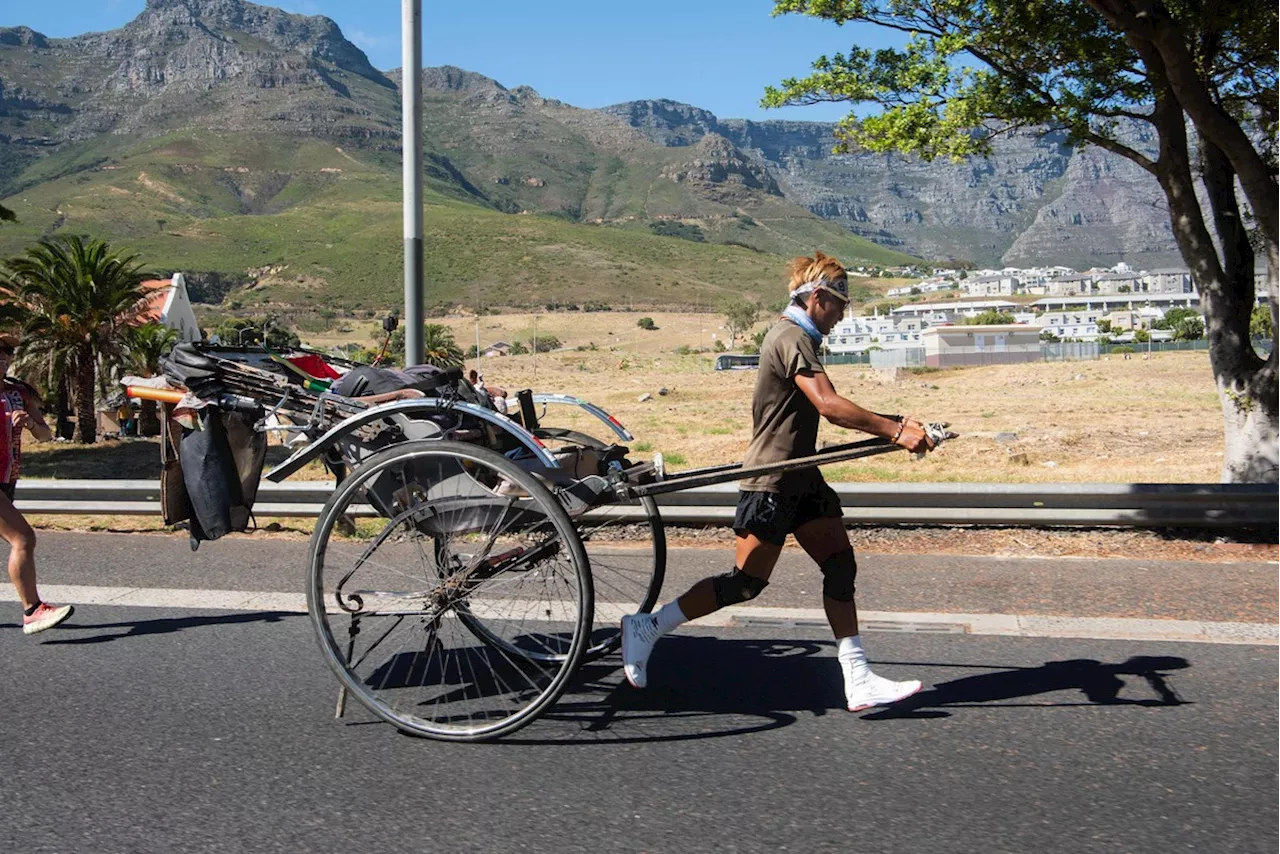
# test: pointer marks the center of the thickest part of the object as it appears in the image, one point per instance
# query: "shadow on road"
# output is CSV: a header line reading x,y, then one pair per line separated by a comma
x,y
702,687
1100,683
167,625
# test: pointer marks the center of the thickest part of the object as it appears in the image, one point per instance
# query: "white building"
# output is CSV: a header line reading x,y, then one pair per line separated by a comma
x,y
953,311
997,285
1167,281
169,305
1114,302
1070,324
948,346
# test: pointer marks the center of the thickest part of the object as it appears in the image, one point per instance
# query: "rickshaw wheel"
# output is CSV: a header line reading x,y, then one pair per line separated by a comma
x,y
460,535
628,558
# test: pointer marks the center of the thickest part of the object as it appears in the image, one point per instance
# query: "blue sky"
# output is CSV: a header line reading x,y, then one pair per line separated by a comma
x,y
715,54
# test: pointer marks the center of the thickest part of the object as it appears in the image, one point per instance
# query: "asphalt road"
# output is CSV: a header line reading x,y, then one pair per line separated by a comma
x,y
147,730
1232,592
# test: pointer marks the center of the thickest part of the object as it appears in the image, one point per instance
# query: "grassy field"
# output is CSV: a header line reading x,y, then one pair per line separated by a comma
x,y
1114,420
1120,421
1106,421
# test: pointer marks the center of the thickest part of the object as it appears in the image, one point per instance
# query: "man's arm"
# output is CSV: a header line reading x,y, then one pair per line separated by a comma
x,y
843,412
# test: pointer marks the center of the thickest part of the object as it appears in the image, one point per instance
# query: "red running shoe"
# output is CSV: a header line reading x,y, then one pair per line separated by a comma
x,y
45,616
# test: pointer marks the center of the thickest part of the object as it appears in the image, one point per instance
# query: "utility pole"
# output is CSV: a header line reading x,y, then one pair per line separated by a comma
x,y
411,161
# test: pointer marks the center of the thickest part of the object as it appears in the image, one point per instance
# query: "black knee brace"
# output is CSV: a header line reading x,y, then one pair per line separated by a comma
x,y
838,573
735,587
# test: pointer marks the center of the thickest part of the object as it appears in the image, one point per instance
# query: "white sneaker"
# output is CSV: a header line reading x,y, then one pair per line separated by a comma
x,y
873,690
639,634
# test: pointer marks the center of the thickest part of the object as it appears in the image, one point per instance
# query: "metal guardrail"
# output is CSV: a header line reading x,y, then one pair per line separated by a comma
x,y
1190,505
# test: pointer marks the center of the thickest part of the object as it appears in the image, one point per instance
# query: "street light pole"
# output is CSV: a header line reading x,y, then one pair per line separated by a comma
x,y
411,161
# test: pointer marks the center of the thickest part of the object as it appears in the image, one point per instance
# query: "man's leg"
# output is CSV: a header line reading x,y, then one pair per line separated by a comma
x,y
826,541
761,522
753,557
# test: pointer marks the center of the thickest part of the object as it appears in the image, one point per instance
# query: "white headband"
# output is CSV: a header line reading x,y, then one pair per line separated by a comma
x,y
839,287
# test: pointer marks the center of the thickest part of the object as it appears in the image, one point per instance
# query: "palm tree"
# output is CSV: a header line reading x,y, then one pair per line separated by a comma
x,y
438,346
75,297
144,346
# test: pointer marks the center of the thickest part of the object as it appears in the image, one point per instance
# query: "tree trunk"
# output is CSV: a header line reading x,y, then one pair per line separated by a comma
x,y
64,426
86,412
148,419
1247,386
1250,451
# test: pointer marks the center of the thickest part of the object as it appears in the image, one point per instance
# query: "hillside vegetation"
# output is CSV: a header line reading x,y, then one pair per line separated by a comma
x,y
243,141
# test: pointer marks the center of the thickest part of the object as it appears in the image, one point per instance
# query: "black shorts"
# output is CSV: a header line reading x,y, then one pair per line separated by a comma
x,y
773,515
7,489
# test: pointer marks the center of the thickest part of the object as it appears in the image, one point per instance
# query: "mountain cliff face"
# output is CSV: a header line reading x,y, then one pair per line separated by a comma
x,y
1036,200
270,86
223,65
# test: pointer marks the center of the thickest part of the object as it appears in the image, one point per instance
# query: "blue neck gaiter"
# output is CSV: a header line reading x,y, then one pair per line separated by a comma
x,y
797,314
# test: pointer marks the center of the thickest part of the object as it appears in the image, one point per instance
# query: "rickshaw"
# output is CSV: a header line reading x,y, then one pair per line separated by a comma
x,y
470,556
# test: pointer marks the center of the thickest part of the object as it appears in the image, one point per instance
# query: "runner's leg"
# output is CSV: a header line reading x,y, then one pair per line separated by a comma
x,y
22,551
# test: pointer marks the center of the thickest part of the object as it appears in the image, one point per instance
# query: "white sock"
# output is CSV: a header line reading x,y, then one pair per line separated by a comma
x,y
853,658
669,616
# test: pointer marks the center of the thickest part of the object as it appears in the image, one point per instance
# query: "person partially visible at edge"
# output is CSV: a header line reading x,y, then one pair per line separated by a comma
x,y
19,410
792,393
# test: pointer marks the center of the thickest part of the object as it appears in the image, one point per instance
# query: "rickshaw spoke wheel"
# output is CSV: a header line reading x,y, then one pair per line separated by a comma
x,y
450,537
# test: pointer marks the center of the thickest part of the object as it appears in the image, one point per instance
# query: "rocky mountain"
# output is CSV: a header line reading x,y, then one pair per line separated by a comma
x,y
1037,200
228,137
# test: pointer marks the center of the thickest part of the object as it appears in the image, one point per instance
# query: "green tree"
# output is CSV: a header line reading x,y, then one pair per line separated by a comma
x,y
75,297
739,316
1188,329
543,343
7,215
1201,78
646,323
1104,326
438,347
1141,336
757,341
1173,317
990,317
144,346
1261,323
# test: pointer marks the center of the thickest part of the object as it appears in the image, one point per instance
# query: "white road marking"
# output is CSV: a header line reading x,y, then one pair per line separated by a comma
x,y
1034,626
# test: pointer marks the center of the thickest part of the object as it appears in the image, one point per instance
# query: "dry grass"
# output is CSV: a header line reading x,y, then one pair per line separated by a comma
x,y
1132,421
1120,421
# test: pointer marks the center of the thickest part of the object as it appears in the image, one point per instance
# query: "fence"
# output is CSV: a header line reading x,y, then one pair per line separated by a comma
x,y
1191,505
1069,351
1050,351
1261,345
906,357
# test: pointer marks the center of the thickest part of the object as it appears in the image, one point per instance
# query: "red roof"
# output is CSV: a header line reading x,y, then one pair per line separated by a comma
x,y
159,292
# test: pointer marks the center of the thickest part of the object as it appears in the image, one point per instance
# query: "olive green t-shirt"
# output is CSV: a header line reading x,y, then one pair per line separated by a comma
x,y
784,424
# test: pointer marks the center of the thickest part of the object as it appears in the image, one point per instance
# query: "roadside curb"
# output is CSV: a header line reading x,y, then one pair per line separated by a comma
x,y
1010,625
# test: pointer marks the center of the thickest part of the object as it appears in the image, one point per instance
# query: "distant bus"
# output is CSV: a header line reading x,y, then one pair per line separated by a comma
x,y
737,362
